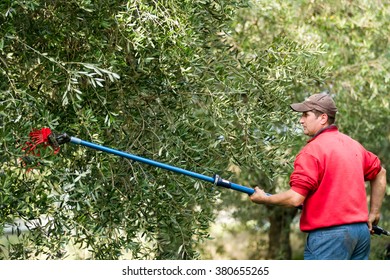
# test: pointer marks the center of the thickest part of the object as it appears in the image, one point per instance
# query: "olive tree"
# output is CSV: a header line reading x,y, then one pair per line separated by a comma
x,y
186,83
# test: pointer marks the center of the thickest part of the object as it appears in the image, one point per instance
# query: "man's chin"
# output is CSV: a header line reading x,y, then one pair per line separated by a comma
x,y
307,133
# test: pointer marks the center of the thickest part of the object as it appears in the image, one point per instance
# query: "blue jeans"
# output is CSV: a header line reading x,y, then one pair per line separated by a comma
x,y
345,242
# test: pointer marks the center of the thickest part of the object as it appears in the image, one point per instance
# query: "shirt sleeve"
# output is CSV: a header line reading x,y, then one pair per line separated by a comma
x,y
306,175
372,166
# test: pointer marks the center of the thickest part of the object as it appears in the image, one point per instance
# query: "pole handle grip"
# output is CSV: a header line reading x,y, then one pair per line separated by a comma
x,y
378,230
218,181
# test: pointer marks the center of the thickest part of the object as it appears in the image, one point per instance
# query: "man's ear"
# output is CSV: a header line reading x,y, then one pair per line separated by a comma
x,y
324,118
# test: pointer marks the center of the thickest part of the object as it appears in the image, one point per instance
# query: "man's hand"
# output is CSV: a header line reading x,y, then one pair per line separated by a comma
x,y
373,220
259,196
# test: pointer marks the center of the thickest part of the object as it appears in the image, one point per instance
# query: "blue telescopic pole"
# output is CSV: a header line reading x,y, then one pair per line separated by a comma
x,y
216,180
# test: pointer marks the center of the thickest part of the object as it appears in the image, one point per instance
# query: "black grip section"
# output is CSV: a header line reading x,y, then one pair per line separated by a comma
x,y
218,181
379,231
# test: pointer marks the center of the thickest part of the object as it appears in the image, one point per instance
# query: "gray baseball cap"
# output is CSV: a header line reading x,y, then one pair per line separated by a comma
x,y
320,101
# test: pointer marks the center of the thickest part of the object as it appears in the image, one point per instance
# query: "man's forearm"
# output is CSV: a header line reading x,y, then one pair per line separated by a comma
x,y
378,190
288,198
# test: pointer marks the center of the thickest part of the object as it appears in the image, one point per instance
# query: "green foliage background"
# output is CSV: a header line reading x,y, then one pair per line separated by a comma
x,y
202,85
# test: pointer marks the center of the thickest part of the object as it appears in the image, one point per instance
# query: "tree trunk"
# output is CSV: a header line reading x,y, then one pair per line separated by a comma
x,y
279,233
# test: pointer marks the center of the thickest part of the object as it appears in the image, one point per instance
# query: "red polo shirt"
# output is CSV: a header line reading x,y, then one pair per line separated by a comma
x,y
330,171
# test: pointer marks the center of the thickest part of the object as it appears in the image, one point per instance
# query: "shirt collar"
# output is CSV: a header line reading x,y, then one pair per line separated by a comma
x,y
331,127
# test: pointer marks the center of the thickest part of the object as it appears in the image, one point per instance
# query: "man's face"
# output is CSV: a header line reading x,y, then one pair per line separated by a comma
x,y
311,123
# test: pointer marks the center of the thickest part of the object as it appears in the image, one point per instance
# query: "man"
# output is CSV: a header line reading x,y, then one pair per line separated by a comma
x,y
328,181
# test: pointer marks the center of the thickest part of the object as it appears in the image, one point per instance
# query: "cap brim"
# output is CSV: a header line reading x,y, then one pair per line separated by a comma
x,y
300,107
